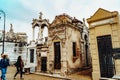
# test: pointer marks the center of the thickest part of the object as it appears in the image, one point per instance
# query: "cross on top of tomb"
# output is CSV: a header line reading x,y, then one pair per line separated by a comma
x,y
40,17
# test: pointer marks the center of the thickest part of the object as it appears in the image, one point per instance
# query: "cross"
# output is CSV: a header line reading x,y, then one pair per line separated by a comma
x,y
40,15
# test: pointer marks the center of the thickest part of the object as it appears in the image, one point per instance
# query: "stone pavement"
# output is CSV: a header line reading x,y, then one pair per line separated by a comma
x,y
82,75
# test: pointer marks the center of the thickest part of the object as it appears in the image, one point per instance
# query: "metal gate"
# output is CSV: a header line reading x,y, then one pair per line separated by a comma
x,y
105,56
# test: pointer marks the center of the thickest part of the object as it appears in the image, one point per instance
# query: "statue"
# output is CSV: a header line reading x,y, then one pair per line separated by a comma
x,y
11,28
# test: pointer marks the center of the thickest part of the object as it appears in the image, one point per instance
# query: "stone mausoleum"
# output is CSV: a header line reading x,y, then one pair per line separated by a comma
x,y
64,50
104,28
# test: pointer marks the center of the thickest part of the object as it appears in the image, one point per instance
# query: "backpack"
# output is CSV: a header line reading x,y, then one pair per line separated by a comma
x,y
4,63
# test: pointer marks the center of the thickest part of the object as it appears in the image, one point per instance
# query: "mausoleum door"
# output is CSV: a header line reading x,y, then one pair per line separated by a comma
x,y
57,56
43,63
105,56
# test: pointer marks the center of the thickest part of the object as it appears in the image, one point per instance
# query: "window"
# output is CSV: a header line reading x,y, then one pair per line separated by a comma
x,y
31,55
74,49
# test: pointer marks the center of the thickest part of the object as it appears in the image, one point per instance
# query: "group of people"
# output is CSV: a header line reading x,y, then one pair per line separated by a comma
x,y
4,63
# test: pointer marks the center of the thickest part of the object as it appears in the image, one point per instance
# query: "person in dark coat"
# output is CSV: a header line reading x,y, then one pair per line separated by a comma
x,y
19,66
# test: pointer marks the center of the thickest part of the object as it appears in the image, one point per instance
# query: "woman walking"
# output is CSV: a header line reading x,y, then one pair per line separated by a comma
x,y
19,66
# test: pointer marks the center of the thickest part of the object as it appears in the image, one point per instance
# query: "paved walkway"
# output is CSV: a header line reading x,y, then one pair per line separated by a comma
x,y
82,75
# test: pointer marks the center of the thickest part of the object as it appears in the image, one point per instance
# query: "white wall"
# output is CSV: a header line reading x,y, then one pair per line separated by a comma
x,y
12,55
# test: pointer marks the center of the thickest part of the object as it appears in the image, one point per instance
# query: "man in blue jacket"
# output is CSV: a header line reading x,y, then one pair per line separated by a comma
x,y
4,63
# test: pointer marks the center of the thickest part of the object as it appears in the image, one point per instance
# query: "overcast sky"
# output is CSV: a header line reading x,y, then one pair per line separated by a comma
x,y
21,12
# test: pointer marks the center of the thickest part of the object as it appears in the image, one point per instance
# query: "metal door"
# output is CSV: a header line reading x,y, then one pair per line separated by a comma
x,y
105,56
43,63
57,55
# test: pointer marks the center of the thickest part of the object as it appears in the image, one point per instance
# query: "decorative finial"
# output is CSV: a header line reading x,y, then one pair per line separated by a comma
x,y
40,17
84,20
11,25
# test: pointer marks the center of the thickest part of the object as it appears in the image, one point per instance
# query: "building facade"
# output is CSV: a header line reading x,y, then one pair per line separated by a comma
x,y
15,44
104,28
66,45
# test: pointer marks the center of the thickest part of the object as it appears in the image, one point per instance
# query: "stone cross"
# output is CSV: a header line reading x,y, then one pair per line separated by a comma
x,y
40,17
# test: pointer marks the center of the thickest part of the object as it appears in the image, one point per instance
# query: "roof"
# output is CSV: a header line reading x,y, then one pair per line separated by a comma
x,y
101,14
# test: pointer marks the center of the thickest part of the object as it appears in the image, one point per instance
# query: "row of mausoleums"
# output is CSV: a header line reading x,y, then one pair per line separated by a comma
x,y
64,50
104,28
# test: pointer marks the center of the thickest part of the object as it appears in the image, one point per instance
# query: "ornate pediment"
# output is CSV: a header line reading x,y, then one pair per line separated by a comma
x,y
60,19
100,14
40,22
56,38
35,23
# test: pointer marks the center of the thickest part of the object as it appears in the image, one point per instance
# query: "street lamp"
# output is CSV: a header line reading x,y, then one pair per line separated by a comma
x,y
1,11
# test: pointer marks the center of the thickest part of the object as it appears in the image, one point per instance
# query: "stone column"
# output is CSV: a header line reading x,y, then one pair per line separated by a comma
x,y
39,33
33,33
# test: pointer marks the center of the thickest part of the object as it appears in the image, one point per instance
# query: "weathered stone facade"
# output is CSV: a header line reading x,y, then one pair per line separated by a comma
x,y
66,48
64,41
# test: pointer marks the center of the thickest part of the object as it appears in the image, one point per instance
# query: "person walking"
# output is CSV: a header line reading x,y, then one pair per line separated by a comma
x,y
19,67
4,63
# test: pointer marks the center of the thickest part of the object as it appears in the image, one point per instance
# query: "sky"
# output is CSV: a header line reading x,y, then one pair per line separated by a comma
x,y
21,12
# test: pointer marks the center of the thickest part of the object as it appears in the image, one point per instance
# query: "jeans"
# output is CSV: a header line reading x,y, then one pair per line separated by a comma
x,y
3,71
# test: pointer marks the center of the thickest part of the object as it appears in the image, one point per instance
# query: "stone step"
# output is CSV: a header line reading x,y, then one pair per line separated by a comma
x,y
108,79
